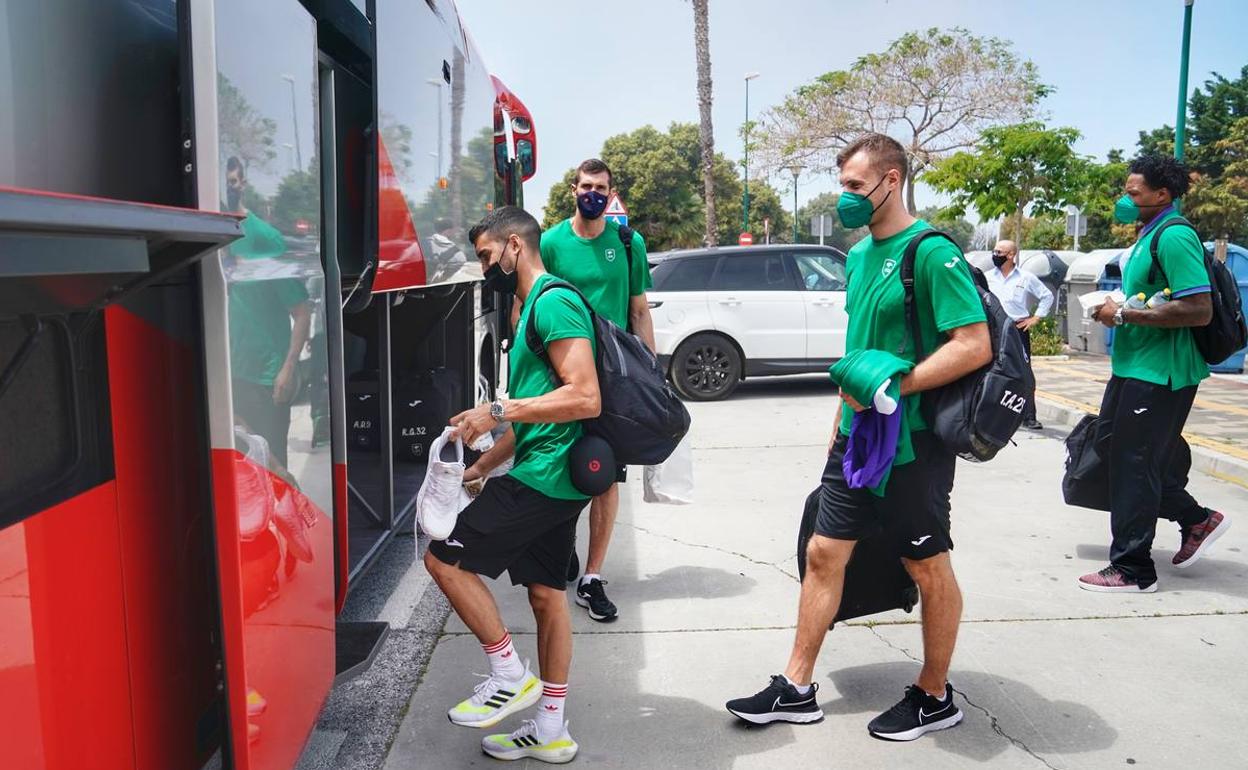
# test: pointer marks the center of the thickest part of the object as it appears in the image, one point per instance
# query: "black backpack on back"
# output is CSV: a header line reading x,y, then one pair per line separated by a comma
x,y
642,417
1226,332
978,414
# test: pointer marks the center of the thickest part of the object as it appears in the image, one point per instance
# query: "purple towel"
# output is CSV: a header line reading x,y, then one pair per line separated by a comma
x,y
871,448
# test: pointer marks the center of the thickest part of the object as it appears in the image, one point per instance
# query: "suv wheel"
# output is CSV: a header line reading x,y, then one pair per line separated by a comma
x,y
706,367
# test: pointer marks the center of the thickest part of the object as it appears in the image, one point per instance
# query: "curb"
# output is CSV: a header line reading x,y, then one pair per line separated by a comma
x,y
1208,461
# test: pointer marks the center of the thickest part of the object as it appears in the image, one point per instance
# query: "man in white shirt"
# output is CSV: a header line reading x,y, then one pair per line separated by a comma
x,y
1017,289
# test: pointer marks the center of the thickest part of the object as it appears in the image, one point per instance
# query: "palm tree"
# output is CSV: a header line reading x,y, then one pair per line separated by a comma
x,y
702,42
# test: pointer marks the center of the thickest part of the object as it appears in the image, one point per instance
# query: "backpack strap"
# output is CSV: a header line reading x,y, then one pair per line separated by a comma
x,y
531,336
626,238
907,281
1152,248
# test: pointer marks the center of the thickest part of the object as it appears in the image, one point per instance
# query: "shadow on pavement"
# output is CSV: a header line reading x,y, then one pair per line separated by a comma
x,y
1209,575
1044,726
693,583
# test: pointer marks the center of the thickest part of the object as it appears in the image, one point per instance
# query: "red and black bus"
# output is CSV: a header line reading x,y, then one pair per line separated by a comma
x,y
237,303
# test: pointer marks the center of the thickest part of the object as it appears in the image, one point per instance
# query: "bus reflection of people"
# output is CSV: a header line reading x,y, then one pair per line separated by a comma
x,y
270,321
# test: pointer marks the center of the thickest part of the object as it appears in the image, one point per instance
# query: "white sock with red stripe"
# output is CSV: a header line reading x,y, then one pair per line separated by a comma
x,y
504,662
550,711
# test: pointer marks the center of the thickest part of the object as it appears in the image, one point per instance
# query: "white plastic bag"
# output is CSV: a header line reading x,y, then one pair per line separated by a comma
x,y
671,482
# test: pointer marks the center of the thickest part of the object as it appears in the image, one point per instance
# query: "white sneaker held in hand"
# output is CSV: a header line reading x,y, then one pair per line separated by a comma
x,y
442,495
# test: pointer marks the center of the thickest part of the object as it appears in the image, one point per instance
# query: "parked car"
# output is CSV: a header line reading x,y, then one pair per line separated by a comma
x,y
724,314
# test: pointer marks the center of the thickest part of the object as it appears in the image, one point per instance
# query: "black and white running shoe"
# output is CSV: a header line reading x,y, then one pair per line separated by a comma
x,y
593,597
916,714
779,702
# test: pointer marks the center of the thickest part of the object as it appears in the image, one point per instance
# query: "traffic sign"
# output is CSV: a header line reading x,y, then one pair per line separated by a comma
x,y
746,239
821,224
616,211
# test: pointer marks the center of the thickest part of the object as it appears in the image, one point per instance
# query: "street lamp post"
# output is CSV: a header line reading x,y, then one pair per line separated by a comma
x,y
294,114
795,169
1180,123
745,195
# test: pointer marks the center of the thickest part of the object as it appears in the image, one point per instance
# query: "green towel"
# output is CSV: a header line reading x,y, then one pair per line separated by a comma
x,y
860,374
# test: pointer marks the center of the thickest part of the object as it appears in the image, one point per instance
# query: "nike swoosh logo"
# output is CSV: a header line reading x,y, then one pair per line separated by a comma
x,y
921,540
778,704
454,544
366,396
416,403
923,715
1140,411
952,263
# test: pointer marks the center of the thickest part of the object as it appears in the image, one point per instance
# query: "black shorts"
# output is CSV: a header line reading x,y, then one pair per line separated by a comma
x,y
621,474
513,527
914,511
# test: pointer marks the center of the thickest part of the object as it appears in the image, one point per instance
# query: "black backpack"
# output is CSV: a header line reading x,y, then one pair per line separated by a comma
x,y
978,414
1226,332
642,417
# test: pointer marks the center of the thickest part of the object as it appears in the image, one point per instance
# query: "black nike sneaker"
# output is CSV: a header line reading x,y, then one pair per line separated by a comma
x,y
916,714
779,702
593,597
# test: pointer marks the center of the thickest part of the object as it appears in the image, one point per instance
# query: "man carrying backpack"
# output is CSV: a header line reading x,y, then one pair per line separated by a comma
x,y
608,264
524,522
913,508
1156,370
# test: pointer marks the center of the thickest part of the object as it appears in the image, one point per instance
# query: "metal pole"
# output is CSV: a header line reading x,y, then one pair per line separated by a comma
x,y
795,207
745,193
294,114
1180,123
821,228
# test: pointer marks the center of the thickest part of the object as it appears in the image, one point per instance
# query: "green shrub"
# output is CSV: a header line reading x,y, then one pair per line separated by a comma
x,y
1045,339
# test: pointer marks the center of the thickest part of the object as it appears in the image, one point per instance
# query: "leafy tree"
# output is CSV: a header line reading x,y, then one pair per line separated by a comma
x,y
245,133
934,90
1219,206
298,198
1102,187
961,230
1014,168
657,175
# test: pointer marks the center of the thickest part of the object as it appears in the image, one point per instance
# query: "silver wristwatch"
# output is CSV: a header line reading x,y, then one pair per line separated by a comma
x,y
498,410
1118,319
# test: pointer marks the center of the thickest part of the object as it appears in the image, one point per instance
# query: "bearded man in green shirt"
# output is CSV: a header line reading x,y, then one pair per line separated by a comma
x,y
914,508
1156,370
586,250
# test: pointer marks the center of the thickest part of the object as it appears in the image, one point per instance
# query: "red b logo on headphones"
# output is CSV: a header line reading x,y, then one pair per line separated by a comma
x,y
595,466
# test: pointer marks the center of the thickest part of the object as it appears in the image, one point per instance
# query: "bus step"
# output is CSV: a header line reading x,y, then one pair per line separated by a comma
x,y
357,644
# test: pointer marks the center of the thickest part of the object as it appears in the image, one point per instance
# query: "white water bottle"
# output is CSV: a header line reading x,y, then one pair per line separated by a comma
x,y
1137,301
1158,299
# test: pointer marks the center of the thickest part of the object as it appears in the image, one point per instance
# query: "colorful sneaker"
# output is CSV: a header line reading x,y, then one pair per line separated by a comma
x,y
442,495
1198,539
915,714
524,743
495,699
778,702
593,597
1111,580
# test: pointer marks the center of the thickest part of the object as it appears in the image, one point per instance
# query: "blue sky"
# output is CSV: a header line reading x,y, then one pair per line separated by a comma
x,y
590,70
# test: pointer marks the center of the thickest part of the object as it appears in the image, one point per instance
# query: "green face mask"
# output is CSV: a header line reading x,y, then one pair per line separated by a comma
x,y
856,210
1125,210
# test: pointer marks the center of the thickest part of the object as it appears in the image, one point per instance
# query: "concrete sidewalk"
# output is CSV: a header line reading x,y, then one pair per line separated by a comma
x,y
1051,676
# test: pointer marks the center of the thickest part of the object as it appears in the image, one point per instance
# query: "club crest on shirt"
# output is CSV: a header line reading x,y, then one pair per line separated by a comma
x,y
610,254
889,266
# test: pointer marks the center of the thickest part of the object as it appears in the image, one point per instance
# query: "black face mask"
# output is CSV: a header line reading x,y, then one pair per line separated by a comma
x,y
496,279
999,259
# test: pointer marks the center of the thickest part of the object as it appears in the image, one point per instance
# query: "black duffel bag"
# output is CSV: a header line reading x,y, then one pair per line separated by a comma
x,y
875,579
1086,481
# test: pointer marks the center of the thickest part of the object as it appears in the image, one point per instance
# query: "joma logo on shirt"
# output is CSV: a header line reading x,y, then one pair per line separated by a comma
x,y
889,266
610,253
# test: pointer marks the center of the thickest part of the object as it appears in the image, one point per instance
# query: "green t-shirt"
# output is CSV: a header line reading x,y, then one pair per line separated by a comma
x,y
945,299
1163,356
598,267
260,325
541,460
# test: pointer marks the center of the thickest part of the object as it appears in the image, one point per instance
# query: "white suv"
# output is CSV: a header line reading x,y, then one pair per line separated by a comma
x,y
724,314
